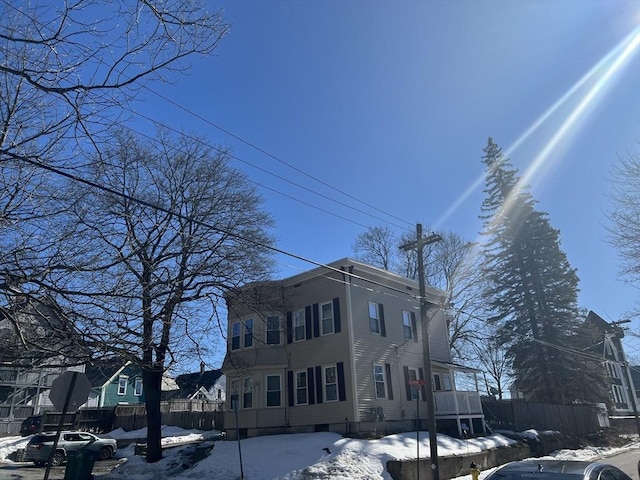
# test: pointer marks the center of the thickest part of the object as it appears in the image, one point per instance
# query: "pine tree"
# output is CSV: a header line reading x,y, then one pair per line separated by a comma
x,y
532,289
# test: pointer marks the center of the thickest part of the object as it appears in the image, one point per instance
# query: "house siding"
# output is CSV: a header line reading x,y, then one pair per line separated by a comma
x,y
352,347
111,397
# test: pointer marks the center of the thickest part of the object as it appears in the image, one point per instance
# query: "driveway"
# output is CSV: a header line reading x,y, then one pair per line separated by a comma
x,y
28,471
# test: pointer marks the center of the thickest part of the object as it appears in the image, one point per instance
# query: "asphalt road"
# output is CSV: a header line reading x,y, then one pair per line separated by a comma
x,y
28,471
627,462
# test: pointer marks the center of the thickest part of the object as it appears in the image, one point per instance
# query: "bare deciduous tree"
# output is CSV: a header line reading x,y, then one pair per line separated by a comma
x,y
148,256
449,265
625,211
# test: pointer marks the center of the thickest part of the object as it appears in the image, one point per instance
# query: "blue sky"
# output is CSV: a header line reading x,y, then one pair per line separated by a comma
x,y
391,102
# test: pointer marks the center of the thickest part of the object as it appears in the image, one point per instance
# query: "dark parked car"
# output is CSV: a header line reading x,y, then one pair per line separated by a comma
x,y
557,470
40,446
31,425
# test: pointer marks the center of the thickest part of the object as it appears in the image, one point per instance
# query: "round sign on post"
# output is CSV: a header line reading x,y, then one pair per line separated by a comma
x,y
75,385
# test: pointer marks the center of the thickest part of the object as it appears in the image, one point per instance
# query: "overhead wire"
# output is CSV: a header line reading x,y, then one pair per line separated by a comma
x,y
270,155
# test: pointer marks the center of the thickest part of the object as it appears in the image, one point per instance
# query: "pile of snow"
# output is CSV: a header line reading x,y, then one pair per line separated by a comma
x,y
293,457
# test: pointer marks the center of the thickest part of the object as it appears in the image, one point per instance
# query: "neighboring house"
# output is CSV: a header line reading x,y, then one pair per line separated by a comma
x,y
336,350
207,385
618,373
114,382
31,359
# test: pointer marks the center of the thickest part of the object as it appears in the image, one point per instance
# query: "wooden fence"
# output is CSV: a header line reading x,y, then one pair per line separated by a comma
x,y
519,415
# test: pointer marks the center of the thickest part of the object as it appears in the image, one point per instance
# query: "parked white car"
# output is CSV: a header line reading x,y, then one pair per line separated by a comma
x,y
39,447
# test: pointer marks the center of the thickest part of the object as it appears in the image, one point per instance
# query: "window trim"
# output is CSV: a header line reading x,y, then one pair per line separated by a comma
x,y
267,391
322,319
376,307
278,331
297,375
138,383
235,336
232,382
299,315
412,334
325,384
122,391
247,334
376,382
246,380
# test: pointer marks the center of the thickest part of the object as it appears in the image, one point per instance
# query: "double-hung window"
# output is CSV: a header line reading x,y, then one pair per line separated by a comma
x,y
378,376
234,393
374,317
247,393
298,325
137,387
326,316
273,391
407,325
330,384
415,389
273,330
235,336
248,332
123,380
302,397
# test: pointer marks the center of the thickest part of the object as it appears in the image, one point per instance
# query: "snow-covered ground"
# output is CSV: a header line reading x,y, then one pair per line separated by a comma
x,y
294,457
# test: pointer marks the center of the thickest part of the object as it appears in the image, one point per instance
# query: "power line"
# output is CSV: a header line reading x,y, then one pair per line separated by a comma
x,y
235,157
90,183
270,155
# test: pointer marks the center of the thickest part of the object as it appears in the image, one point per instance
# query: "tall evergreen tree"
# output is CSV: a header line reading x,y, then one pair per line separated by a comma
x,y
531,290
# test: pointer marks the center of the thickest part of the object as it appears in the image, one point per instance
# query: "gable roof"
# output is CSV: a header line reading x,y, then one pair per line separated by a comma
x,y
103,371
189,383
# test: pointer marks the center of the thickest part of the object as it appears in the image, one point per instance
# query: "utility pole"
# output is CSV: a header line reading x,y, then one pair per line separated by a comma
x,y
418,245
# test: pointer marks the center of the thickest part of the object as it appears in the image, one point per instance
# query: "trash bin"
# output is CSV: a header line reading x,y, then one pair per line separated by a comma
x,y
80,465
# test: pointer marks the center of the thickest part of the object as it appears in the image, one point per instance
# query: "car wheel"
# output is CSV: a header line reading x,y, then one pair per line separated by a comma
x,y
105,453
58,459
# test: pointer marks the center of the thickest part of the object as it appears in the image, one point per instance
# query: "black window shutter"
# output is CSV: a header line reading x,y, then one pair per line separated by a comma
x,y
387,369
413,326
311,386
337,327
342,391
307,323
383,327
290,387
289,327
316,320
319,384
406,383
423,389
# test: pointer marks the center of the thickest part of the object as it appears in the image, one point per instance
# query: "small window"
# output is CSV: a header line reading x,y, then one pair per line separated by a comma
x,y
248,332
235,336
298,326
330,384
374,318
326,314
437,386
407,325
137,387
378,374
301,388
122,384
273,391
415,389
235,393
247,393
273,330
446,380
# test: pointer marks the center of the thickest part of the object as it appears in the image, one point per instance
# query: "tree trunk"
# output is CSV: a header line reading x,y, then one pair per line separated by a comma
x,y
152,381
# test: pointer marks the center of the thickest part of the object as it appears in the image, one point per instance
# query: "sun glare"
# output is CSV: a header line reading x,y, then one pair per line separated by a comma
x,y
601,76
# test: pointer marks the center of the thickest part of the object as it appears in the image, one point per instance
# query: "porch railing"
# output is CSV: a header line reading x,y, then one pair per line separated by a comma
x,y
457,403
